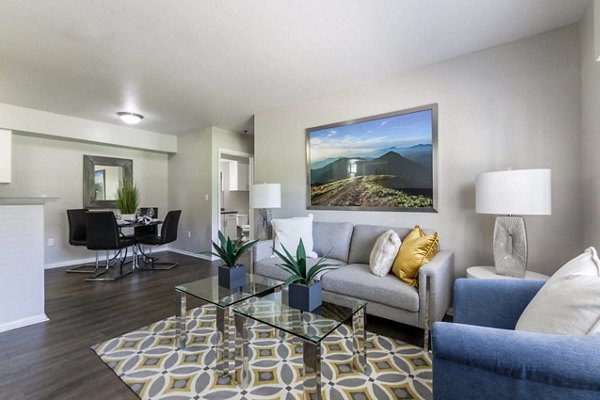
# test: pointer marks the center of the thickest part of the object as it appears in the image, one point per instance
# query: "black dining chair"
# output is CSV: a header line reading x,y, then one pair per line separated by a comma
x,y
168,234
78,237
103,235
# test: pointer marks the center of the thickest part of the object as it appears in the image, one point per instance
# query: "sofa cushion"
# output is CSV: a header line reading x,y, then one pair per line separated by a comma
x,y
417,249
289,231
569,302
384,253
268,267
363,240
356,280
333,239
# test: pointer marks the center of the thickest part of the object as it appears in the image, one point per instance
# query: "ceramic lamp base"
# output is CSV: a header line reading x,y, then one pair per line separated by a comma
x,y
510,246
232,278
305,297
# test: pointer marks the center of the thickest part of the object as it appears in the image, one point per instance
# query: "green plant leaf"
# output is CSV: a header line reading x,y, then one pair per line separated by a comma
x,y
293,279
127,198
289,261
318,268
287,269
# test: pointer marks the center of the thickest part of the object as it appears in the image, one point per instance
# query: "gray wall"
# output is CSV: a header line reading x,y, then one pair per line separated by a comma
x,y
54,167
189,184
193,175
590,88
516,105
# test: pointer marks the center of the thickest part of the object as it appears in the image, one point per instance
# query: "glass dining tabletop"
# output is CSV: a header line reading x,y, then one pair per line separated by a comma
x,y
208,289
273,310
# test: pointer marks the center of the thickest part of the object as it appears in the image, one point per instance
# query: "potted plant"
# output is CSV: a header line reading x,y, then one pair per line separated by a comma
x,y
231,275
305,292
127,200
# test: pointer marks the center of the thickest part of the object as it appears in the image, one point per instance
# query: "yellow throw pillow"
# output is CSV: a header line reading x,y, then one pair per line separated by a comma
x,y
417,249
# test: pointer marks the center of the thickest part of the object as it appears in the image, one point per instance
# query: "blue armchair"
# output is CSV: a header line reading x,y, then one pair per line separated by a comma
x,y
481,356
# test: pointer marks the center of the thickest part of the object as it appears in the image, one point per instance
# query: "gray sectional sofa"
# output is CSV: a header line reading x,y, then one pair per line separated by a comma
x,y
388,297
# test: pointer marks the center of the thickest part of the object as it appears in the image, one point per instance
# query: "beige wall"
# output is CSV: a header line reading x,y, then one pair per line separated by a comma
x,y
54,167
516,105
590,91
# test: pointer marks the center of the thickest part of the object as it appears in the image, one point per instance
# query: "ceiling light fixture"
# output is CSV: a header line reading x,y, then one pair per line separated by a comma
x,y
130,118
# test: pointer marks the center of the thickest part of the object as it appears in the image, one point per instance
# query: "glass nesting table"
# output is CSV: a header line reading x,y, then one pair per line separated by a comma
x,y
208,290
311,327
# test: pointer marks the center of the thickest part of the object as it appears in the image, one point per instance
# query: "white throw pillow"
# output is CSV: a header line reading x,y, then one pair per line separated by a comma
x,y
569,302
384,253
289,231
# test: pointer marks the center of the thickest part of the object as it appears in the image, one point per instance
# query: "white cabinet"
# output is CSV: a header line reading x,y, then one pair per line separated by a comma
x,y
234,175
5,156
229,225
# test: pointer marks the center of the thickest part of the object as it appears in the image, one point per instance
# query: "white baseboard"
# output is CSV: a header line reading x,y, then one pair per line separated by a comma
x,y
192,254
36,319
92,260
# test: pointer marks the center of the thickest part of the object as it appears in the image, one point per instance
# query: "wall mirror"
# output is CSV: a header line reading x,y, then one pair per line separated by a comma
x,y
102,176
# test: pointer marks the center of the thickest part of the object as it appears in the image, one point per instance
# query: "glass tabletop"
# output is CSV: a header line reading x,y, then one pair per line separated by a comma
x,y
208,289
313,326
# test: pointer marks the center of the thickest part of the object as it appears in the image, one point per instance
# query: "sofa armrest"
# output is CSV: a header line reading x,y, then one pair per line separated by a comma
x,y
557,360
263,249
496,303
440,272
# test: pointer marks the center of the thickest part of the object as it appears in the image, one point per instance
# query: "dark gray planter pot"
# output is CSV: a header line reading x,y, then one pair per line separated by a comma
x,y
305,297
232,278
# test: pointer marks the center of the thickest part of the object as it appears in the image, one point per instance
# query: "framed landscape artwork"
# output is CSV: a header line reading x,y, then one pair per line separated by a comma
x,y
380,163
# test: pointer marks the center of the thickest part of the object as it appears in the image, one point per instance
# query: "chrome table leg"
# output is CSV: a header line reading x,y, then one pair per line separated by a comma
x,y
180,325
312,369
242,372
224,350
359,341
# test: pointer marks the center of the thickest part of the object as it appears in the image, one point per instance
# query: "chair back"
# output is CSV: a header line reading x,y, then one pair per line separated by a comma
x,y
77,227
168,232
102,231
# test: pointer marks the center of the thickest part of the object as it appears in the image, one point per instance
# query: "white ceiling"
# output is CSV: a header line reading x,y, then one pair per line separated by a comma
x,y
188,64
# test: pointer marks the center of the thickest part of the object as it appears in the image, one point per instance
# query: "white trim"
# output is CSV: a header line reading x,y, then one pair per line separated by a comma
x,y
192,254
92,260
36,319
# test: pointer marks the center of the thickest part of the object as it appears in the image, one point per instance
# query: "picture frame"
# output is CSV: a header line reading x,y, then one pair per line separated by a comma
x,y
384,162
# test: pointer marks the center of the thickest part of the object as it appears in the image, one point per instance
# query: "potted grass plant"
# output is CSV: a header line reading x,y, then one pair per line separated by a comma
x,y
127,200
231,275
305,292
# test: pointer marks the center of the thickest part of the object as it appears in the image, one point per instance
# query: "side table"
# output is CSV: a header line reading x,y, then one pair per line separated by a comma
x,y
484,272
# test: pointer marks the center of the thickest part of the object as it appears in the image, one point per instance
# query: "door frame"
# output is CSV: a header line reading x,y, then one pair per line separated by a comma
x,y
217,204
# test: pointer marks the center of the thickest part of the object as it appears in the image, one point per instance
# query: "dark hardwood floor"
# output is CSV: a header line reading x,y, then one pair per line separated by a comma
x,y
53,360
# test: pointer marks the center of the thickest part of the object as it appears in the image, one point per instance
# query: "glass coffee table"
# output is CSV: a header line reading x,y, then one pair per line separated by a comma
x,y
311,327
208,290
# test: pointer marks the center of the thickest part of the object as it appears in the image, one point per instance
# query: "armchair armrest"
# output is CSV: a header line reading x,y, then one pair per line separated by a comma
x,y
263,249
440,272
569,362
496,303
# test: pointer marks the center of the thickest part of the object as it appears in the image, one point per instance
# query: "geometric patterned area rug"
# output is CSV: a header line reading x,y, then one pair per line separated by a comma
x,y
150,363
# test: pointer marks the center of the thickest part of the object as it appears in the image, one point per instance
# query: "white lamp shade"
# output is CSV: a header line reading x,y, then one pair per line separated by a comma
x,y
265,195
514,192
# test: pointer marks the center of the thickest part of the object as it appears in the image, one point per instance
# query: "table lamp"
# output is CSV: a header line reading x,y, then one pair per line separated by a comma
x,y
265,196
513,193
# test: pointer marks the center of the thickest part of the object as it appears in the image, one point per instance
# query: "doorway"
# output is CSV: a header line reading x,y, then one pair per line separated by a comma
x,y
235,179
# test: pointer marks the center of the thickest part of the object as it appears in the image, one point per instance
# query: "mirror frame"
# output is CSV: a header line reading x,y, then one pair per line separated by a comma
x,y
89,168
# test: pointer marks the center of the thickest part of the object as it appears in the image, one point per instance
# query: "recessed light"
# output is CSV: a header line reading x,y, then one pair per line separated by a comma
x,y
130,118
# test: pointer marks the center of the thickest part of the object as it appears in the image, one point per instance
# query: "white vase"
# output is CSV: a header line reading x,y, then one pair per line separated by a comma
x,y
128,217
